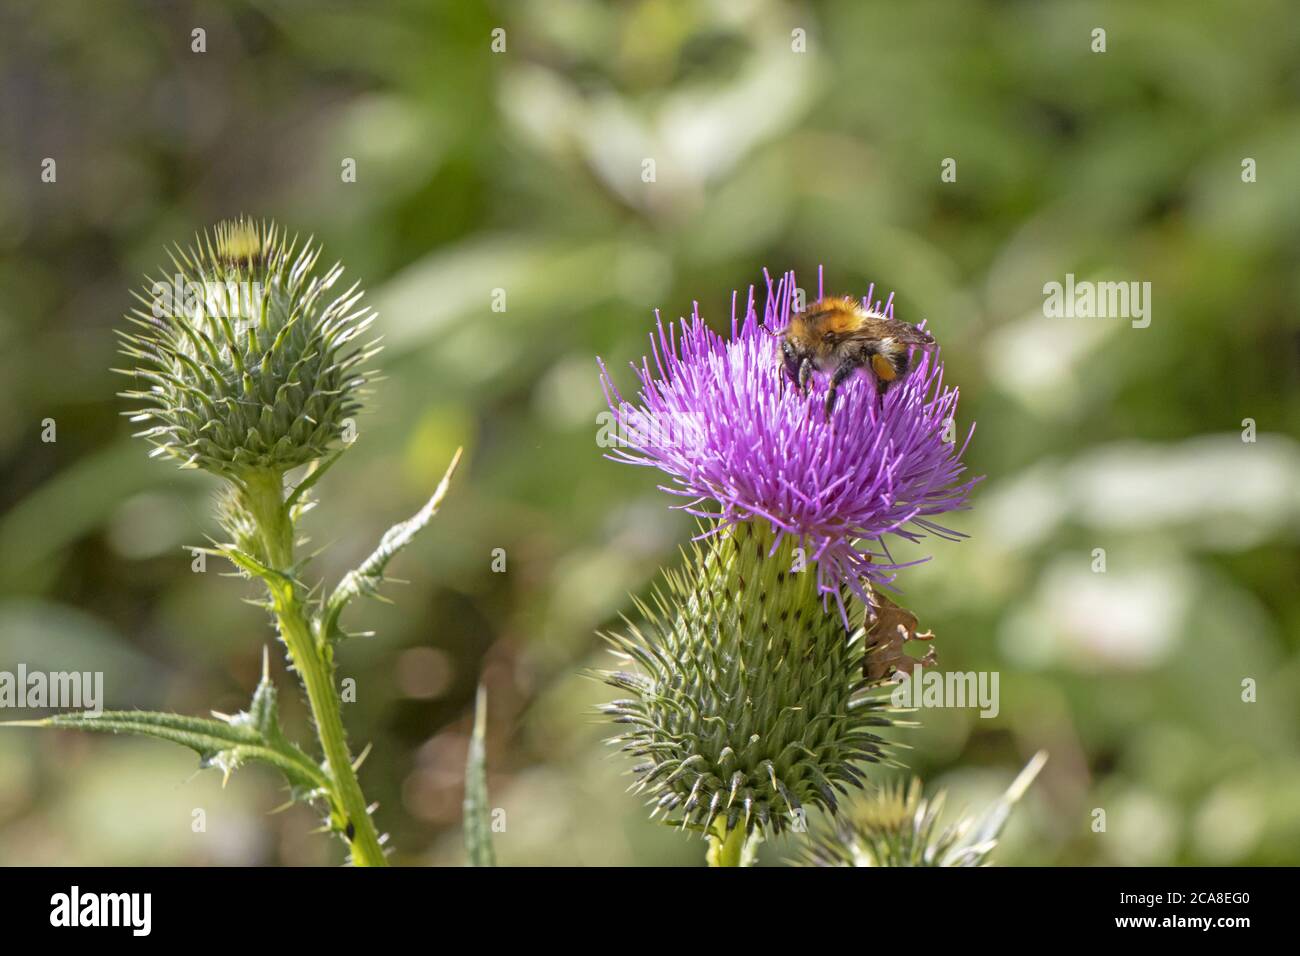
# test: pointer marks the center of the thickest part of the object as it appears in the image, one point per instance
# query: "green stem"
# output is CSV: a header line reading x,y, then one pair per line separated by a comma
x,y
726,847
314,661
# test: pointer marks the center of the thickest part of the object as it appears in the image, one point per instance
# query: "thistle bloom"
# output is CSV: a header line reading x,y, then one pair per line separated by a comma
x,y
737,440
750,702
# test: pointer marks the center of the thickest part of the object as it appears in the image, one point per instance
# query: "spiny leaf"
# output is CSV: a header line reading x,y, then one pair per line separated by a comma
x,y
316,471
478,828
986,829
366,577
227,742
247,563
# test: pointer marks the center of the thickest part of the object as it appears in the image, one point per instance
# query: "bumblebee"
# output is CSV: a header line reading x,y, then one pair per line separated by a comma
x,y
840,336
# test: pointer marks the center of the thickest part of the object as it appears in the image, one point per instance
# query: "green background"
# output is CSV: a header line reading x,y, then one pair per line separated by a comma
x,y
522,171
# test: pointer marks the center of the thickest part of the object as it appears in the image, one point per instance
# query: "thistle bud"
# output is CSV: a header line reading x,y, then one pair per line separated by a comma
x,y
748,703
246,360
899,826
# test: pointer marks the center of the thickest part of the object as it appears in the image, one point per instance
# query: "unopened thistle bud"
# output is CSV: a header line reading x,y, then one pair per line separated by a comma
x,y
897,826
248,361
749,703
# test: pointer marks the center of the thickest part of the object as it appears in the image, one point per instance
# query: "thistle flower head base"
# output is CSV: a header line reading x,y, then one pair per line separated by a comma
x,y
748,704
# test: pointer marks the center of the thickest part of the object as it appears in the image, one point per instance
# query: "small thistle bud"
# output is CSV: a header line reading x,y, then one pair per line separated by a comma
x,y
749,706
246,363
900,827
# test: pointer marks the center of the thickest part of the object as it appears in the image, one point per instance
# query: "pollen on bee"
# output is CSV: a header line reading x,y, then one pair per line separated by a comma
x,y
883,368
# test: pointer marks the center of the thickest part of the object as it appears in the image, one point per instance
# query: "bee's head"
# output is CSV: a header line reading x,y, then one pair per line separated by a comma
x,y
797,362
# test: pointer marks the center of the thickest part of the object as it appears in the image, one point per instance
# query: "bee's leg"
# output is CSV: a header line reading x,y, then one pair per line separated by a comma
x,y
805,373
841,373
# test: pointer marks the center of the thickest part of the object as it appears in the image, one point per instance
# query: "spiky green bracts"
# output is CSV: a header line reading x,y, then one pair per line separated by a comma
x,y
246,364
748,704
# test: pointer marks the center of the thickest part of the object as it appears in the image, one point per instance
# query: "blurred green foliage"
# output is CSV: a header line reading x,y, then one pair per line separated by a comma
x,y
522,171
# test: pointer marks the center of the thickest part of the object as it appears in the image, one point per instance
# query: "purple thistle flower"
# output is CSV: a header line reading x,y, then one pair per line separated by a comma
x,y
720,418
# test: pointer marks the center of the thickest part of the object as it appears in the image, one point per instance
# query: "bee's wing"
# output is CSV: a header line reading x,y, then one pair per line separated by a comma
x,y
874,329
